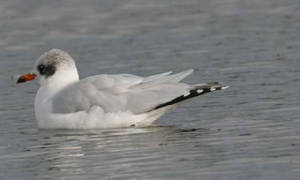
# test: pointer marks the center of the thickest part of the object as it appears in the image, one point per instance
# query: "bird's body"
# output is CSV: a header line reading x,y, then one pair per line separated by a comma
x,y
105,101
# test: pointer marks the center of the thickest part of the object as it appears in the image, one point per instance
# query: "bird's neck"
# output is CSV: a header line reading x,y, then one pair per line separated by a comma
x,y
59,81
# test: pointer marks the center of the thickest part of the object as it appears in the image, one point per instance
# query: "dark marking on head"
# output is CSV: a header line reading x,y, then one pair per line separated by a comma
x,y
46,70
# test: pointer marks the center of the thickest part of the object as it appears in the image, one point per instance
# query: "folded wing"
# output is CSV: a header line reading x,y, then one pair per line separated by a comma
x,y
123,92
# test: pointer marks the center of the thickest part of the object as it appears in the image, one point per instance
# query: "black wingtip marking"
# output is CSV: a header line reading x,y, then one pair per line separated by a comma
x,y
193,93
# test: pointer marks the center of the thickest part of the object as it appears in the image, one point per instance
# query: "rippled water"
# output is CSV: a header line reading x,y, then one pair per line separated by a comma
x,y
249,131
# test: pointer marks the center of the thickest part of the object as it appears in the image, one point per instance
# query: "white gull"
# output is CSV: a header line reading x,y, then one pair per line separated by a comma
x,y
104,101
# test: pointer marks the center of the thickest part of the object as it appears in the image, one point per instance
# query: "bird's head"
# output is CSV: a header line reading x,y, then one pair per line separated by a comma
x,y
52,64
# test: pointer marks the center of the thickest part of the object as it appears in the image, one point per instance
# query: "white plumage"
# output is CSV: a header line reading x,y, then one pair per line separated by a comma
x,y
105,101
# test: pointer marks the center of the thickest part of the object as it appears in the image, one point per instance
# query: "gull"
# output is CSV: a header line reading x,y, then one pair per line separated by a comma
x,y
63,101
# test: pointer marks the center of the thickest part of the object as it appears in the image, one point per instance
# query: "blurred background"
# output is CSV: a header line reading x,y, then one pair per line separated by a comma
x,y
249,131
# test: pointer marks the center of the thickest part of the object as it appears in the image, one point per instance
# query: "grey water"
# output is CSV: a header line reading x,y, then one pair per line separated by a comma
x,y
248,131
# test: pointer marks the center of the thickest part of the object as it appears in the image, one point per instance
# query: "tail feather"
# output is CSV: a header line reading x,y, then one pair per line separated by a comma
x,y
180,76
163,78
196,90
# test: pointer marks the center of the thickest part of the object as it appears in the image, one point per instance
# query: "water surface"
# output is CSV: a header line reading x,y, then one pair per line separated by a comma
x,y
249,131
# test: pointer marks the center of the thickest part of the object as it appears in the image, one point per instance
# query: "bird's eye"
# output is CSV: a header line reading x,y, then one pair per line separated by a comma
x,y
42,68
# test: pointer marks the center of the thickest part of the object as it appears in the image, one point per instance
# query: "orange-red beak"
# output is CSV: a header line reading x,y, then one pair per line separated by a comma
x,y
26,77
